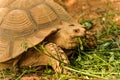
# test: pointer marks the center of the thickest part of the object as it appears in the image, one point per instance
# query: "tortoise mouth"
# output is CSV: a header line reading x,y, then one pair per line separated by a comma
x,y
73,44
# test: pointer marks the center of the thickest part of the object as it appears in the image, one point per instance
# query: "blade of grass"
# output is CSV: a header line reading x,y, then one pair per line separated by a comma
x,y
84,73
95,55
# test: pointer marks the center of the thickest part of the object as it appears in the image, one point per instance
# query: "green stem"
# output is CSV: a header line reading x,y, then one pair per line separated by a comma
x,y
88,74
102,60
18,78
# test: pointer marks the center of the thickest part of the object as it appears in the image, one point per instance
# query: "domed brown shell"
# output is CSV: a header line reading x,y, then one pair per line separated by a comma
x,y
25,23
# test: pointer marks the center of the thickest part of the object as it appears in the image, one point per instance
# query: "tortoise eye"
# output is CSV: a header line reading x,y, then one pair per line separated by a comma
x,y
71,25
76,30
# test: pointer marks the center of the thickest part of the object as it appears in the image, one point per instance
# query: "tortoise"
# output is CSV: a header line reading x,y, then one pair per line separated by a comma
x,y
26,24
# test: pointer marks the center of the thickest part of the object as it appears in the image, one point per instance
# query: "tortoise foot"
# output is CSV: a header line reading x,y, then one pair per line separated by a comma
x,y
57,57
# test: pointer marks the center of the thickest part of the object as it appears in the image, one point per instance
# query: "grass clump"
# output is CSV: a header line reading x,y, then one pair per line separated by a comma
x,y
102,62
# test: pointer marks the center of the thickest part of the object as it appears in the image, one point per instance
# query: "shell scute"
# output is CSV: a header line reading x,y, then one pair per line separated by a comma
x,y
4,3
25,4
16,23
43,14
3,12
4,49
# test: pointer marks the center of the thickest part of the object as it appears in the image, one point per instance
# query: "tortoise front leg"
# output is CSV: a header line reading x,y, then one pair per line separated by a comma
x,y
57,57
51,54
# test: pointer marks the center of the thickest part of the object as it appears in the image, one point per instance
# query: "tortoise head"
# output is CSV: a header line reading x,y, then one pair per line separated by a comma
x,y
68,34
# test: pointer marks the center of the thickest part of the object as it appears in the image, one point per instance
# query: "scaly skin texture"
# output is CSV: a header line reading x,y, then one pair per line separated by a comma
x,y
59,55
89,41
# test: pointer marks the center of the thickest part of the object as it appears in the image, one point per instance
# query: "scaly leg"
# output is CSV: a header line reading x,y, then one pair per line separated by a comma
x,y
57,57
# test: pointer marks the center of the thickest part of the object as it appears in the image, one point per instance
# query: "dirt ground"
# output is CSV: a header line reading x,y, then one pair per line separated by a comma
x,y
88,8
82,10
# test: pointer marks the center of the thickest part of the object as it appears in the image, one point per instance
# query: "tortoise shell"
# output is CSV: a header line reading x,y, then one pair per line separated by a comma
x,y
25,23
